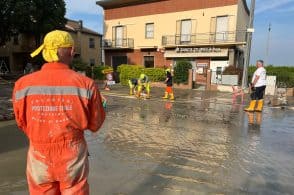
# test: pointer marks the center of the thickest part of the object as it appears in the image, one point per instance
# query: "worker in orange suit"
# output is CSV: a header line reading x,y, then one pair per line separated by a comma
x,y
54,106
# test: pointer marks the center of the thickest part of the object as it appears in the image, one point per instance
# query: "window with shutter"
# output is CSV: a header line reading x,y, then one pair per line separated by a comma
x,y
186,29
149,31
222,28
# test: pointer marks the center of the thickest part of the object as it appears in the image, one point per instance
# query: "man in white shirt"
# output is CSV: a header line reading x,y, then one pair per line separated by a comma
x,y
258,85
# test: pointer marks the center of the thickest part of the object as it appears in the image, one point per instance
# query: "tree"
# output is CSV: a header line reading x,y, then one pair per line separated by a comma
x,y
33,17
6,30
38,17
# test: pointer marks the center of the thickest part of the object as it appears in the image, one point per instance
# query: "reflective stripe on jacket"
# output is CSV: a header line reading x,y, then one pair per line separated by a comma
x,y
56,104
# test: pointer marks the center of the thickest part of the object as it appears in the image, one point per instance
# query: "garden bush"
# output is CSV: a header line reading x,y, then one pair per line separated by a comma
x,y
155,74
285,75
97,71
181,72
127,72
78,65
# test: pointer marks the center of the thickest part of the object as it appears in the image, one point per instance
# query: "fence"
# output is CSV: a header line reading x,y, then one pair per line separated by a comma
x,y
224,79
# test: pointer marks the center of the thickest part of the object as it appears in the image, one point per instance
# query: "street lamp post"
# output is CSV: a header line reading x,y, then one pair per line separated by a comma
x,y
267,45
250,30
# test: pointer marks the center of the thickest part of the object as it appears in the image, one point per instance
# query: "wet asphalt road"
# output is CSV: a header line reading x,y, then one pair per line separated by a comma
x,y
189,146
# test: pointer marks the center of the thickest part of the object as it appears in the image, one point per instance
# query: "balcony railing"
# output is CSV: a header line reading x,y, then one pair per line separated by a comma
x,y
225,37
118,43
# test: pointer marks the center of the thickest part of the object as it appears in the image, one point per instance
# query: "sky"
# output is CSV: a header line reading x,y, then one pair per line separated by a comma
x,y
278,43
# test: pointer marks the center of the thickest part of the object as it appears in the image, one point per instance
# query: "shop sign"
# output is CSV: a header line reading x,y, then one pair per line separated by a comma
x,y
198,50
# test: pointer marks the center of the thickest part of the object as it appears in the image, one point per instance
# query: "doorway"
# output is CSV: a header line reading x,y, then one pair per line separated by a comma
x,y
116,61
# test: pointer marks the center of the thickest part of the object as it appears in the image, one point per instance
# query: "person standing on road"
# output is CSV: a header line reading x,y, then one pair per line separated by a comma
x,y
258,85
54,106
169,86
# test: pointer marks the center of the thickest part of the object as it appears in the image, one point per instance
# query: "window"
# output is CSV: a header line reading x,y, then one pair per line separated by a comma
x,y
91,43
149,61
201,68
186,29
149,31
119,36
222,28
92,62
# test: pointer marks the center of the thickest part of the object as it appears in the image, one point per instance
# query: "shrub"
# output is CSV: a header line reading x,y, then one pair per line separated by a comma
x,y
155,74
127,72
285,75
181,71
78,65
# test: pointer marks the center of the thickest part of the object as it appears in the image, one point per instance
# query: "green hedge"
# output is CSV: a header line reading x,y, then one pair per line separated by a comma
x,y
285,75
97,71
127,72
79,65
181,71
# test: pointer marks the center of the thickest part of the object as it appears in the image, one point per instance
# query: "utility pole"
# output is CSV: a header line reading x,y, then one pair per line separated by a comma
x,y
249,32
268,44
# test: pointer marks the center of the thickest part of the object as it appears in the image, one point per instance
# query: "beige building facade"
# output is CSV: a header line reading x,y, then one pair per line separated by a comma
x,y
211,34
87,42
16,53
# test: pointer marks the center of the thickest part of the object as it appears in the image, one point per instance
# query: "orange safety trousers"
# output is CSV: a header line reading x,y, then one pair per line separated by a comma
x,y
53,107
169,89
58,168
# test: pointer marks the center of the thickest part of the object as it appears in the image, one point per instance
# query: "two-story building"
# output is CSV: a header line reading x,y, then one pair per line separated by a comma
x,y
16,53
87,42
211,34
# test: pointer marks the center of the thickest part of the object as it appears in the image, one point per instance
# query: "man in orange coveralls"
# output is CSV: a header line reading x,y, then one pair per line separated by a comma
x,y
53,107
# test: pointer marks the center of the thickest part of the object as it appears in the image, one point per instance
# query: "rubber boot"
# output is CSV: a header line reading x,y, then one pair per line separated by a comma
x,y
131,91
171,96
251,107
165,95
259,106
148,95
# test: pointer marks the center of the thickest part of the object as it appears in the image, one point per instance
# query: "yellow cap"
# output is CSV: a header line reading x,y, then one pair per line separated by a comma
x,y
52,41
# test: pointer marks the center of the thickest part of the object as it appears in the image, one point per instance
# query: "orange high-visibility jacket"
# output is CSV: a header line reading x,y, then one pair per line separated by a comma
x,y
56,104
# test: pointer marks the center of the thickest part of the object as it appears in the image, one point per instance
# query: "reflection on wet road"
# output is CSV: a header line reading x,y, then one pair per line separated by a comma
x,y
175,148
159,147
